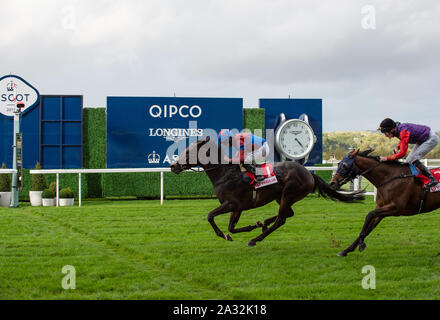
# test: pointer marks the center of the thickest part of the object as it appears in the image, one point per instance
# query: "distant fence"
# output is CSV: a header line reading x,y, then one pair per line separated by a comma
x,y
355,186
57,172
428,162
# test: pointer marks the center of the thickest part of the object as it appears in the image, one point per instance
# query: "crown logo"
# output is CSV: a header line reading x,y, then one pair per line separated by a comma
x,y
10,86
153,158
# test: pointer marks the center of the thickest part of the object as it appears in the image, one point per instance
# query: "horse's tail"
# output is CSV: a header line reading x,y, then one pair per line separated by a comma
x,y
327,192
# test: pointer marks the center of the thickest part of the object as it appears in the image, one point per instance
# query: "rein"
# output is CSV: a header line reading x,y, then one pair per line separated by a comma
x,y
401,176
350,178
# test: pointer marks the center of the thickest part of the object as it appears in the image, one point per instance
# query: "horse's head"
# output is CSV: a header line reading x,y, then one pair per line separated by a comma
x,y
351,164
199,153
346,171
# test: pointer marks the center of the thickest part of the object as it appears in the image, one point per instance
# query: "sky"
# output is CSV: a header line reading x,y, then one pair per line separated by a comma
x,y
366,60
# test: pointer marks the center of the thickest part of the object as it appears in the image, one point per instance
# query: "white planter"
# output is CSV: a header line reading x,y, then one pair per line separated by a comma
x,y
35,197
64,202
5,199
48,202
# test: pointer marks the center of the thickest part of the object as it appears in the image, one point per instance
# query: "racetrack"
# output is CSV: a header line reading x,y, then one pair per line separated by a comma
x,y
140,250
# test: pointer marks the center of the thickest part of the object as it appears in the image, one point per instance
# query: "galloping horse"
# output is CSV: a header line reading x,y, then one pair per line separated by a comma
x,y
398,192
235,196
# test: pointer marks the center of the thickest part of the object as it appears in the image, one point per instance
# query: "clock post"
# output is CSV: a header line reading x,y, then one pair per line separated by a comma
x,y
17,161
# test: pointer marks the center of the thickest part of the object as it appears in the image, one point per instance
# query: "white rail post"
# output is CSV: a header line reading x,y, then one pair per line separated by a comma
x,y
79,189
58,186
161,188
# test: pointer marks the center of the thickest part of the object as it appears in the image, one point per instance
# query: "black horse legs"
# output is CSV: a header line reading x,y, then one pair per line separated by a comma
x,y
372,219
235,216
284,213
224,208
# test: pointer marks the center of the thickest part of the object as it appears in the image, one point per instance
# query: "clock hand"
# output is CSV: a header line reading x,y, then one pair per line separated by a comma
x,y
299,143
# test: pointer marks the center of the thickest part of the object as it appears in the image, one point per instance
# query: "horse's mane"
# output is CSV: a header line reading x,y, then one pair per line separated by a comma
x,y
366,154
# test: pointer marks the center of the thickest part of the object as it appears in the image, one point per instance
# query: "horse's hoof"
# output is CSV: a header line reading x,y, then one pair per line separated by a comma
x,y
252,243
259,224
342,254
362,247
228,237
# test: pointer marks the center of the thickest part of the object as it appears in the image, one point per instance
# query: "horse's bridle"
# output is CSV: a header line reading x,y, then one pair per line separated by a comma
x,y
352,172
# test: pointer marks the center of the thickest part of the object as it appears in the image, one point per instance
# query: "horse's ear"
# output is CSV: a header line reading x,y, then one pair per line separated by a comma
x,y
354,153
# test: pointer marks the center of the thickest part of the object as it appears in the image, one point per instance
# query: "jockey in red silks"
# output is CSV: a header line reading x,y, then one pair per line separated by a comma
x,y
249,149
422,136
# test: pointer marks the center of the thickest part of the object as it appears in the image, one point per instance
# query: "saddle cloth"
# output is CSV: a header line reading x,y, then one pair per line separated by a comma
x,y
266,170
435,172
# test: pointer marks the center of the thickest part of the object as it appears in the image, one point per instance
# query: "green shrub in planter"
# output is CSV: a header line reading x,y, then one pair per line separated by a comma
x,y
38,180
48,194
66,193
5,181
53,187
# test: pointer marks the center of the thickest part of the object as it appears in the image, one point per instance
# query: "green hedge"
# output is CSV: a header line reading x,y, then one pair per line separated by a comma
x,y
94,148
66,181
148,184
253,119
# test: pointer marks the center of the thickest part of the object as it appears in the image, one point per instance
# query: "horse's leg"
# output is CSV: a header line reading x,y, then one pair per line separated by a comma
x,y
284,212
224,208
357,242
268,221
371,221
373,225
233,220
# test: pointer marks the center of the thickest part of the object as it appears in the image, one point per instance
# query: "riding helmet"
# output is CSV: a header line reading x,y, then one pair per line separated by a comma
x,y
387,125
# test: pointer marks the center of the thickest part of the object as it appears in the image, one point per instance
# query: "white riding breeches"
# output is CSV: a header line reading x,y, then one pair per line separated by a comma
x,y
419,151
258,156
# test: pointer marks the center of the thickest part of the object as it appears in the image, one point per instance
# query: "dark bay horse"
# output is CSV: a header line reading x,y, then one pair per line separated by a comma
x,y
294,183
398,191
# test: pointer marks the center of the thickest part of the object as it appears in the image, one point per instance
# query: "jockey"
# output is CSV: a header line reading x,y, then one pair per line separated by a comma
x,y
422,136
249,148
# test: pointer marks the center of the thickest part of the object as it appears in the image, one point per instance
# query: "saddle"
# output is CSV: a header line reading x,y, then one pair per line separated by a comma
x,y
266,170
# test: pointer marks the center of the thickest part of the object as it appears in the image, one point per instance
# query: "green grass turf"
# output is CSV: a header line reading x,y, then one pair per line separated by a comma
x,y
140,250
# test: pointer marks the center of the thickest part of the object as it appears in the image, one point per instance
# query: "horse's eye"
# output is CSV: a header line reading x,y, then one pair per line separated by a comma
x,y
344,166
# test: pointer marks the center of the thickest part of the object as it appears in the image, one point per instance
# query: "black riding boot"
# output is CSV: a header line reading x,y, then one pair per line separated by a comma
x,y
426,173
253,169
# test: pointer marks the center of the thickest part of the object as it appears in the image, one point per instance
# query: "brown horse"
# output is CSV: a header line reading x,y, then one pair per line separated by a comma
x,y
399,193
235,196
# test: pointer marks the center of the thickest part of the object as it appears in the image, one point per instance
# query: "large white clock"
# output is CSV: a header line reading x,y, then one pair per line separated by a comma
x,y
294,139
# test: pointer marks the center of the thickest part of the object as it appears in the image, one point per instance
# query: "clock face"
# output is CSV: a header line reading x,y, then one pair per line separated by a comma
x,y
295,139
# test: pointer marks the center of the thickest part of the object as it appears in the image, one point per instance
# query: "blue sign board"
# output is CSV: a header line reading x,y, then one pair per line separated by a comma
x,y
293,109
52,134
147,132
60,130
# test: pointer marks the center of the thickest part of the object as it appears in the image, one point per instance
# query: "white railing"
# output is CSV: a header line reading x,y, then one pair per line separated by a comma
x,y
57,172
8,171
